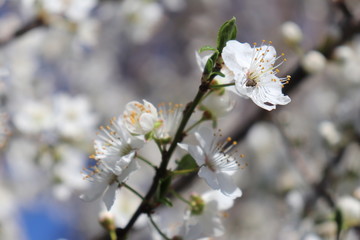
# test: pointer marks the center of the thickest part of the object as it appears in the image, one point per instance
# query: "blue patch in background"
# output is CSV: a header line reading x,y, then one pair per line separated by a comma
x,y
41,222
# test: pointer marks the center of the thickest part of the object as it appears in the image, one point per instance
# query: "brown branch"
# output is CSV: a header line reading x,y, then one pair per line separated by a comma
x,y
35,23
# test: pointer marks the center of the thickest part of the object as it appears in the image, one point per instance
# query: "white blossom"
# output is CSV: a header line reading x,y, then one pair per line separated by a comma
x,y
169,119
218,103
75,10
254,72
114,153
350,210
216,166
73,117
141,19
34,117
208,223
140,119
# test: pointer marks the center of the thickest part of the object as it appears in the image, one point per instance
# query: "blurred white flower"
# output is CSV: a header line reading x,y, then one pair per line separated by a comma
x,y
216,166
75,10
34,117
208,221
255,72
218,103
329,132
140,118
313,62
291,32
175,5
69,162
114,153
124,207
348,57
350,210
73,117
141,18
170,116
343,53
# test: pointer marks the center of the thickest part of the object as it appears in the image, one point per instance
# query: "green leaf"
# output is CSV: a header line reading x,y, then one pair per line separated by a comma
x,y
187,162
207,48
209,66
227,32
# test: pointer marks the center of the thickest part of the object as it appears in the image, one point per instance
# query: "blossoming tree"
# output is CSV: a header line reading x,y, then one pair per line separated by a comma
x,y
250,72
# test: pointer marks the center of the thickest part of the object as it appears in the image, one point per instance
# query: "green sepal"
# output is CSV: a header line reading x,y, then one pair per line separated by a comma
x,y
162,190
149,136
226,32
186,162
207,48
217,73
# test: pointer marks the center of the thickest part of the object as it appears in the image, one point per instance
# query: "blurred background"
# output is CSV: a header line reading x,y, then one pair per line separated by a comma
x,y
69,66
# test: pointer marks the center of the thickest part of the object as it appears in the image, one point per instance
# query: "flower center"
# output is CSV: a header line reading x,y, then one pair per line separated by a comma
x,y
251,80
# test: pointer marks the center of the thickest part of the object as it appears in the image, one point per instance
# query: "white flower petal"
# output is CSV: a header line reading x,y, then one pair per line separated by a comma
x,y
222,202
132,167
237,56
209,176
195,151
97,189
227,186
109,196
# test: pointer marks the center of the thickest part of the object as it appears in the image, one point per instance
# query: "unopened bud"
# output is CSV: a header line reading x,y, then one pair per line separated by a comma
x,y
350,210
197,204
291,32
106,220
329,132
313,62
218,104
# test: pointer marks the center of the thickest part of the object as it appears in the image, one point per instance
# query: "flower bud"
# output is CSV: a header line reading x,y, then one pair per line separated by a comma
x,y
218,104
343,53
106,220
197,205
291,32
139,118
350,210
329,132
313,62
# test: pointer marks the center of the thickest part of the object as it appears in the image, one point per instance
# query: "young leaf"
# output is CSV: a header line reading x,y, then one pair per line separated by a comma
x,y
187,162
227,32
207,48
209,66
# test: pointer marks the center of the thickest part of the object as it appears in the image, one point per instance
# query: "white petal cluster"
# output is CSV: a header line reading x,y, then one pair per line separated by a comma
x,y
169,116
216,166
209,222
34,117
114,152
254,72
73,118
139,118
75,10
